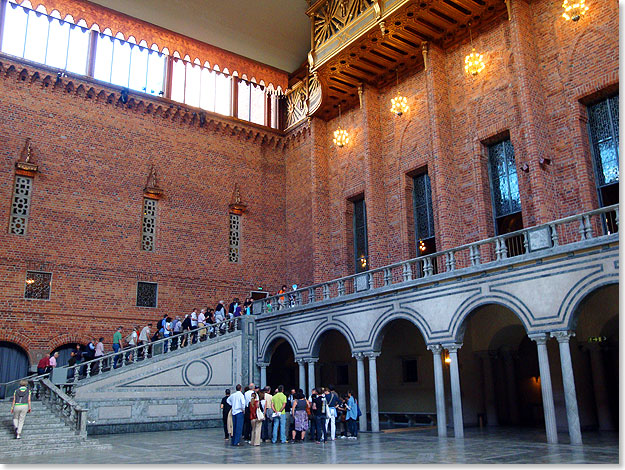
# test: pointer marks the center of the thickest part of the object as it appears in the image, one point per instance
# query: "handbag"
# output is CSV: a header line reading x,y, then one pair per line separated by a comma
x,y
260,416
308,408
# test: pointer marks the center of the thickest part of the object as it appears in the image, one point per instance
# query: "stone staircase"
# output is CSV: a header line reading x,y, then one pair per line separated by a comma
x,y
43,433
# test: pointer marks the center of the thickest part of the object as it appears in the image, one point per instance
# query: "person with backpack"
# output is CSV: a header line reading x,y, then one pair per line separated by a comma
x,y
352,415
21,405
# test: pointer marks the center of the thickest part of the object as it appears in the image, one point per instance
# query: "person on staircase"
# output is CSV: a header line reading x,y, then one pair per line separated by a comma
x,y
21,405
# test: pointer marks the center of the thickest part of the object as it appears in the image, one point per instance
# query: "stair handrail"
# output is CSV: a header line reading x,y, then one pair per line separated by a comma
x,y
5,387
64,406
95,366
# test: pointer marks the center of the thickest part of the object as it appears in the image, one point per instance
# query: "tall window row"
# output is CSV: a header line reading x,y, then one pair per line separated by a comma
x,y
60,43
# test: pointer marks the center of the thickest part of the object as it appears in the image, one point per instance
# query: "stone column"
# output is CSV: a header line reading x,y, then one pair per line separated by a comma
x,y
311,374
599,387
568,380
373,391
489,388
362,393
302,375
456,397
263,373
545,387
439,387
513,403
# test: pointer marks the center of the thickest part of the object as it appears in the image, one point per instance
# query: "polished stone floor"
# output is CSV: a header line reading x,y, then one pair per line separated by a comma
x,y
417,446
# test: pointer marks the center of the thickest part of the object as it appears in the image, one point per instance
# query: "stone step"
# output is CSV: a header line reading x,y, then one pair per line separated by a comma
x,y
62,434
19,447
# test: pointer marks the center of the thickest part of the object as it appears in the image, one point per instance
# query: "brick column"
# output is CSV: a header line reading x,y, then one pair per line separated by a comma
x,y
443,180
539,206
321,216
375,195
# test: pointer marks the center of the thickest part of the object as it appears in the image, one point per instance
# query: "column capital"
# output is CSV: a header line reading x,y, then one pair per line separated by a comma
x,y
262,364
539,338
300,360
562,336
372,354
359,356
311,360
436,349
452,347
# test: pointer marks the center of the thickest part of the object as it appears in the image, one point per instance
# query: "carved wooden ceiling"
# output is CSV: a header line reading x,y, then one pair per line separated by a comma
x,y
373,58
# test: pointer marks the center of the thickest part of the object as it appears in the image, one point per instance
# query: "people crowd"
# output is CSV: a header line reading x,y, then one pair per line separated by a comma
x,y
256,415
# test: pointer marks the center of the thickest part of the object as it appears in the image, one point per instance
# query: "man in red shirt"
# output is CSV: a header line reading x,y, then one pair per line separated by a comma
x,y
43,364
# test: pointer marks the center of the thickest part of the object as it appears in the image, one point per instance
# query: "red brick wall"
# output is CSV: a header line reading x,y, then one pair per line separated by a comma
x,y
85,219
540,70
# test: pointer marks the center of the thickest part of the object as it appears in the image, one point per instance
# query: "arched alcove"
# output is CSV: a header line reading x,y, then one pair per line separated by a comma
x,y
282,368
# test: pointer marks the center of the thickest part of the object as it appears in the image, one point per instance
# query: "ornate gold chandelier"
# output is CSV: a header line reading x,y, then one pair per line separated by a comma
x,y
341,137
399,104
474,62
574,9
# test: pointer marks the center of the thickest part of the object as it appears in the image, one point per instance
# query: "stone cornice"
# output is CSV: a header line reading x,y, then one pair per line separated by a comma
x,y
89,89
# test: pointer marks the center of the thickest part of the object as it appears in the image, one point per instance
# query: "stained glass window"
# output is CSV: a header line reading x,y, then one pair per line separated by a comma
x,y
505,183
37,285
147,294
20,206
603,119
235,238
148,224
361,246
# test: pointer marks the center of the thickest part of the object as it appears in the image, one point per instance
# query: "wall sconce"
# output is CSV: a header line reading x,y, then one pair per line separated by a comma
x,y
544,161
536,379
525,168
363,261
422,246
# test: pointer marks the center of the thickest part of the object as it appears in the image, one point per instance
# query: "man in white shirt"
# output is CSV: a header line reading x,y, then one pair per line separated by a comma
x,y
144,338
237,402
201,320
194,324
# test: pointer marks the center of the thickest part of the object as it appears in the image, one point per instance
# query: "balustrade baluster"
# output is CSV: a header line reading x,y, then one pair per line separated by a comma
x,y
406,272
135,353
504,248
526,245
582,229
475,255
326,292
588,227
554,234
451,261
100,365
370,282
88,371
341,288
311,295
387,276
428,269
616,216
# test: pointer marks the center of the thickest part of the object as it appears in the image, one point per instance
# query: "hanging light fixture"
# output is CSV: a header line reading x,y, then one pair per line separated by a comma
x,y
574,9
474,62
399,104
341,138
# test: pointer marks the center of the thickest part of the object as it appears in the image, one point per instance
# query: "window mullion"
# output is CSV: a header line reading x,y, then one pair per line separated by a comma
x,y
3,8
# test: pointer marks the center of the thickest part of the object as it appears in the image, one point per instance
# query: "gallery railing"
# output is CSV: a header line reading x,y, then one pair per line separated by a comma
x,y
598,223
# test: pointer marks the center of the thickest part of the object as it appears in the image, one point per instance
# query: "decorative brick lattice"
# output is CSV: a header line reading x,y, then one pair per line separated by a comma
x,y
235,238
21,205
148,233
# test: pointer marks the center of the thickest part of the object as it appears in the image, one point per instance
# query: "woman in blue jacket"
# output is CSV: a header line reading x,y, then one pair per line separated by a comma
x,y
352,415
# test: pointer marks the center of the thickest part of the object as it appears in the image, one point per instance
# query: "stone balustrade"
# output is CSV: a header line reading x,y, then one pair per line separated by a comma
x,y
458,261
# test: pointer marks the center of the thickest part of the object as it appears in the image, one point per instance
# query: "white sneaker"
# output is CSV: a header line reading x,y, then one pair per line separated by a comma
x,y
18,437
342,437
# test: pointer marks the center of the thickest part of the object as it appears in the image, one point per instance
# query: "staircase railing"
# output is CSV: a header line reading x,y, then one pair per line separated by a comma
x,y
128,356
125,357
599,223
64,406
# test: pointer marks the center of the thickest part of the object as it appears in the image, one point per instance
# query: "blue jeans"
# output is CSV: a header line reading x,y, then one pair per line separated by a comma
x,y
116,358
237,428
266,430
281,421
320,424
352,426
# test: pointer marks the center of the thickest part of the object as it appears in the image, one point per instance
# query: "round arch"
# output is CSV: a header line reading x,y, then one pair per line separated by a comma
x,y
569,309
458,323
317,337
382,324
270,344
14,361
